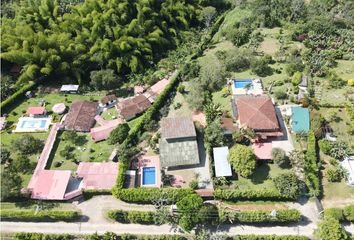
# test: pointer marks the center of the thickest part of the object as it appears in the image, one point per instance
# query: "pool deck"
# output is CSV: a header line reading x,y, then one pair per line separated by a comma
x,y
150,161
256,89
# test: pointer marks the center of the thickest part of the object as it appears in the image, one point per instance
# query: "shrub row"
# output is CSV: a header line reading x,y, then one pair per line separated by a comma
x,y
261,216
149,195
4,106
311,166
108,235
89,193
142,217
30,215
247,194
345,214
269,237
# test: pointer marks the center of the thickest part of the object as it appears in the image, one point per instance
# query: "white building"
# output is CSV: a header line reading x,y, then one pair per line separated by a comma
x,y
348,165
222,165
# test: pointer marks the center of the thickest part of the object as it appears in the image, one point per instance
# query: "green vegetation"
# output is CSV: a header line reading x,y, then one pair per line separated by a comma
x,y
345,214
119,134
242,160
311,167
142,217
247,194
288,185
30,215
330,228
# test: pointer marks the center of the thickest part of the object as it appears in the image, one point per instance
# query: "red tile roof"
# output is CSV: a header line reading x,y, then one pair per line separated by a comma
x,y
130,107
35,110
159,86
262,150
108,98
81,116
257,112
98,175
228,125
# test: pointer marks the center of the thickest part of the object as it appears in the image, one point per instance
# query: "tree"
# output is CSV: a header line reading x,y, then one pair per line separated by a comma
x,y
5,156
104,79
279,156
21,163
330,228
214,135
27,144
208,15
244,136
239,36
242,160
261,67
297,161
280,93
67,152
187,209
70,136
287,184
10,184
296,80
195,96
119,134
212,75
209,214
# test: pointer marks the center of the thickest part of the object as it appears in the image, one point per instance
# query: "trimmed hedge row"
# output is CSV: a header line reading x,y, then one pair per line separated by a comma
x,y
30,215
311,166
345,214
89,193
247,194
108,235
270,237
142,217
4,105
261,216
149,195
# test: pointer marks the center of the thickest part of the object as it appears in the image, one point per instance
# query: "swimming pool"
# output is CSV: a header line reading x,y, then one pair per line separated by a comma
x,y
29,124
242,83
149,176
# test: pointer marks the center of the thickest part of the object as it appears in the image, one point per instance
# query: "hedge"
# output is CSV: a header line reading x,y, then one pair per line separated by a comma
x,y
269,237
30,215
142,217
261,216
248,194
16,96
89,193
149,195
108,235
311,167
345,214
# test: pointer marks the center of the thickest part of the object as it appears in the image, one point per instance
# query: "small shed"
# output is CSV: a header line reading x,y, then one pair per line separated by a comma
x,y
36,111
222,165
108,101
70,88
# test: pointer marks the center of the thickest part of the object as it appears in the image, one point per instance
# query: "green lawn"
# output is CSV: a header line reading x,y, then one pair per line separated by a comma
x,y
88,151
32,205
339,190
339,123
225,102
110,114
261,178
184,110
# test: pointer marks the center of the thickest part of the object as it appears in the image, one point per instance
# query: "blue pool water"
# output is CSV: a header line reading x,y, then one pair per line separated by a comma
x,y
149,175
242,83
33,123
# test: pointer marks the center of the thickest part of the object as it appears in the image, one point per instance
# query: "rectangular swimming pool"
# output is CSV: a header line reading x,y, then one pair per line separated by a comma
x,y
29,124
149,176
242,83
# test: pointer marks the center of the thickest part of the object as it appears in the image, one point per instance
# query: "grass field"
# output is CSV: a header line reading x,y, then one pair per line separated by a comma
x,y
32,205
184,110
88,151
261,178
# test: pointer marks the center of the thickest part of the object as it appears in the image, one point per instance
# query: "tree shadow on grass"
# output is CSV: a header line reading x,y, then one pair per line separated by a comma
x,y
81,140
261,174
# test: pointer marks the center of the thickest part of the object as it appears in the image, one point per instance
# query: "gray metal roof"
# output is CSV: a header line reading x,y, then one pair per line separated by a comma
x,y
180,127
178,153
70,87
222,165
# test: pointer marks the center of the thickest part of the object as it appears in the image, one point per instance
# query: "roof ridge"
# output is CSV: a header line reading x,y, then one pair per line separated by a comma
x,y
78,112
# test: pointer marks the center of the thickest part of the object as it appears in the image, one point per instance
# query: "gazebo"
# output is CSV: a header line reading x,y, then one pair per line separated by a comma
x,y
59,108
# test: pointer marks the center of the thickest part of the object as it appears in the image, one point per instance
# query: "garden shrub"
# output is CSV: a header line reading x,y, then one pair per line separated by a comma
x,y
269,237
334,174
30,215
345,214
325,146
89,193
248,194
42,236
311,166
262,216
149,195
287,184
142,217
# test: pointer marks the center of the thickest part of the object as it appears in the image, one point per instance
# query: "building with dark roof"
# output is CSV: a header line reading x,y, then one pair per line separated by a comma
x,y
108,101
178,143
132,107
257,113
81,116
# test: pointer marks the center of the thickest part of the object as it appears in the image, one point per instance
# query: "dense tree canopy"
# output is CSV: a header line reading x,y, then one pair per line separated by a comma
x,y
242,159
49,40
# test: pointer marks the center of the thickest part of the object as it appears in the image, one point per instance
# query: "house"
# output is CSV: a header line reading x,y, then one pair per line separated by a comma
x,y
138,89
81,116
300,120
348,165
257,113
222,165
97,175
131,107
36,111
228,126
108,101
158,87
178,143
71,88
2,123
